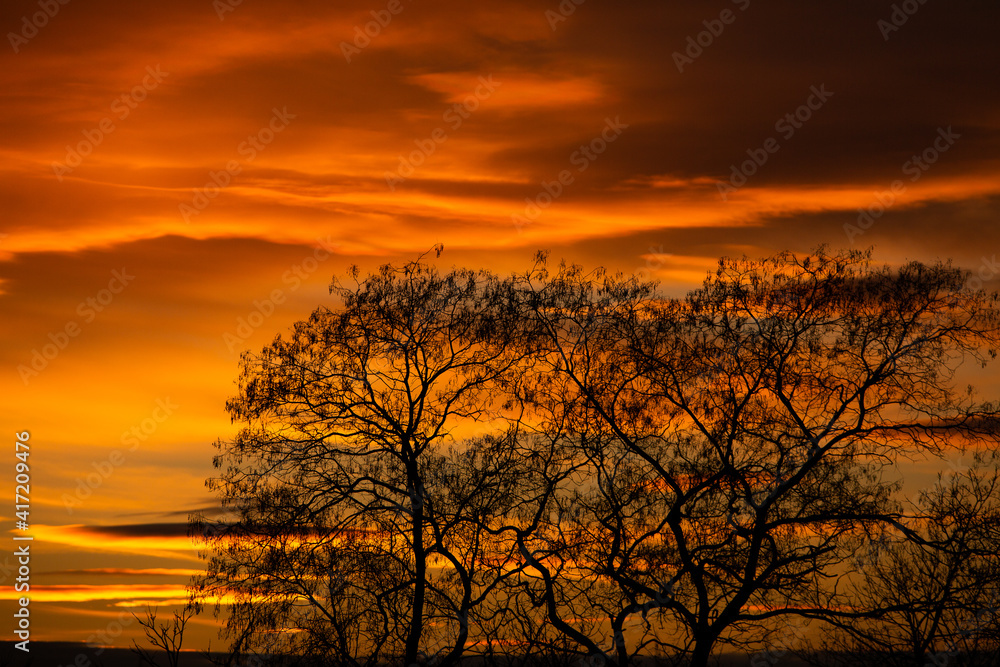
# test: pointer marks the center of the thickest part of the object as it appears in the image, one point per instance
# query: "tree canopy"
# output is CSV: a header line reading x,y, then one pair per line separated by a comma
x,y
561,463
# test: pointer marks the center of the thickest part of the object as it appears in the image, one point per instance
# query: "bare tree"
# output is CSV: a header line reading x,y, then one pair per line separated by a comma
x,y
355,523
738,438
167,637
934,597
570,465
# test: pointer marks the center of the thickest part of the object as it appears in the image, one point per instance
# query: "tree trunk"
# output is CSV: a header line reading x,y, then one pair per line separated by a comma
x,y
702,652
420,572
621,650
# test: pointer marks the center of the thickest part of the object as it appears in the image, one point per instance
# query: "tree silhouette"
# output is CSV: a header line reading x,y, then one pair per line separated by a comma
x,y
167,637
561,465
738,437
935,597
342,479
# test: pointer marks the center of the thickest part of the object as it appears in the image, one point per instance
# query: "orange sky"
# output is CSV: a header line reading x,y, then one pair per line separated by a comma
x,y
496,129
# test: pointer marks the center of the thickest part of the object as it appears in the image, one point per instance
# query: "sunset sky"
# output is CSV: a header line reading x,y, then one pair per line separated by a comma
x,y
181,181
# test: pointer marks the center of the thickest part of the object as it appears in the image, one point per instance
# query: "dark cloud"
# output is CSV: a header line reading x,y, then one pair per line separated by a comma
x,y
139,530
120,572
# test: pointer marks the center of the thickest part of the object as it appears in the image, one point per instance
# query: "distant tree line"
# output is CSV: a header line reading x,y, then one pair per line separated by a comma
x,y
560,465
